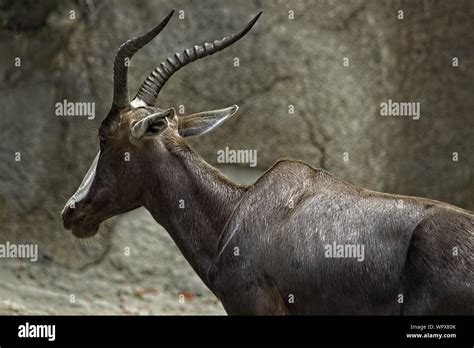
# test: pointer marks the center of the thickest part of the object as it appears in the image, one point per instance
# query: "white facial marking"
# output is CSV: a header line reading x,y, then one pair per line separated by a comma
x,y
85,184
136,103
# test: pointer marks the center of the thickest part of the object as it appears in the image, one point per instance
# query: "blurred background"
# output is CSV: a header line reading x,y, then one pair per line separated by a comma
x,y
297,100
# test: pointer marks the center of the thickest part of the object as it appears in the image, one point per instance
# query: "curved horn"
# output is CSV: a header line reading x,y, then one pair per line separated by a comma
x,y
126,51
153,84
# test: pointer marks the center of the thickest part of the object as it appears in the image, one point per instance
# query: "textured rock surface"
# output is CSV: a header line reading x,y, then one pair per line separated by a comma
x,y
282,61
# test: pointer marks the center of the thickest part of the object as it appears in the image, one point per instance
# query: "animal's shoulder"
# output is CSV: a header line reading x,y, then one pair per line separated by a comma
x,y
264,206
288,173
284,181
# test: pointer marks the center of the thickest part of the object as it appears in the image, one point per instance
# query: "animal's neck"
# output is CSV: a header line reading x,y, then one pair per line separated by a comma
x,y
192,201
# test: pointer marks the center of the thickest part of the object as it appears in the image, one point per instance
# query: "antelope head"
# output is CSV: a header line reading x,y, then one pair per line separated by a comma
x,y
137,129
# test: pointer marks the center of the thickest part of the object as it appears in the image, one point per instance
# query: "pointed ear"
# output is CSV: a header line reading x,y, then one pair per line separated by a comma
x,y
203,122
152,125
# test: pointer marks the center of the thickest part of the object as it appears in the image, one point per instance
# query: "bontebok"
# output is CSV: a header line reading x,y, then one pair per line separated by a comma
x,y
298,241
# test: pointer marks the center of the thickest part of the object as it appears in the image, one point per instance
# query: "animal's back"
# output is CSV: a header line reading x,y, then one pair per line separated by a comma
x,y
325,246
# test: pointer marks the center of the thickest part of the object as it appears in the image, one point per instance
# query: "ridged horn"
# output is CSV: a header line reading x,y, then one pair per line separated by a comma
x,y
153,84
126,51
